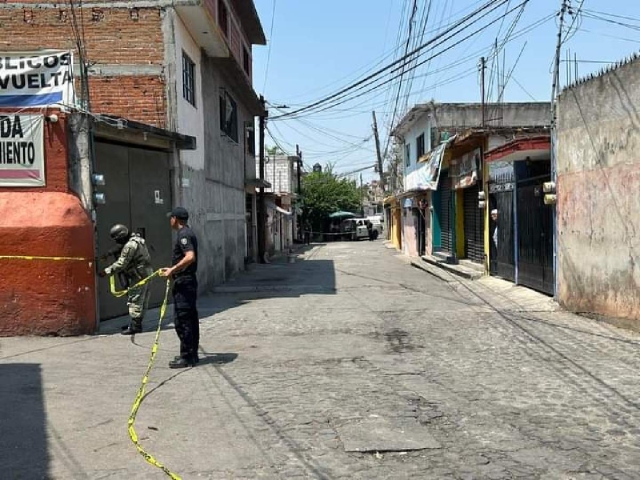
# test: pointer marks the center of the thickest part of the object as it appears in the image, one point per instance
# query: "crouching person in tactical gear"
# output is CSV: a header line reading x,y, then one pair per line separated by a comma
x,y
134,263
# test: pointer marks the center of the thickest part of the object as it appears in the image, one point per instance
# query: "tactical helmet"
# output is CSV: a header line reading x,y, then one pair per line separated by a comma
x,y
119,232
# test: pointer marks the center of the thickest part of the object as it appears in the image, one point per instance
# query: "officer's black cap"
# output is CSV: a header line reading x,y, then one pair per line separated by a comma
x,y
180,213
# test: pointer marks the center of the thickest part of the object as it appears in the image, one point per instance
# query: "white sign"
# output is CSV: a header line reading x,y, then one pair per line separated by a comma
x,y
36,79
21,150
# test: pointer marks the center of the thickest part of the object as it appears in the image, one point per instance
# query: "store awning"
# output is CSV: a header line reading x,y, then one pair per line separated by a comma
x,y
533,148
278,209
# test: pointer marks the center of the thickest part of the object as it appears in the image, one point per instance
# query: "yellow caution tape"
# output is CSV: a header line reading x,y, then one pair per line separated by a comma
x,y
33,257
122,293
154,350
145,378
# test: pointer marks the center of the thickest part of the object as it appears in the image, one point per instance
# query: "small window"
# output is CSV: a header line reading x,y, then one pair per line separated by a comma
x,y
420,146
188,79
223,18
228,116
407,155
251,138
435,137
246,61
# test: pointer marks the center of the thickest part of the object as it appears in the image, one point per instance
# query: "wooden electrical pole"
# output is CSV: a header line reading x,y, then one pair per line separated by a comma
x,y
299,171
262,205
483,67
378,153
556,65
361,197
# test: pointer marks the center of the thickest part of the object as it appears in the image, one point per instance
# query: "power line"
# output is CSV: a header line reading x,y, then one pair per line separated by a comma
x,y
403,58
524,89
622,17
472,56
375,87
266,70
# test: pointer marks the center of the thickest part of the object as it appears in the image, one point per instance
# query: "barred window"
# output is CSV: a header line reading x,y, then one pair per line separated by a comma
x,y
188,79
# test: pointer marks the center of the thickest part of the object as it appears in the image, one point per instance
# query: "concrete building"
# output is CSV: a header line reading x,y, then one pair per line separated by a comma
x,y
598,206
443,146
184,69
283,173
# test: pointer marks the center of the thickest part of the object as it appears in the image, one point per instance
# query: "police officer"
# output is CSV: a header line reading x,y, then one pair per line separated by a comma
x,y
185,289
135,263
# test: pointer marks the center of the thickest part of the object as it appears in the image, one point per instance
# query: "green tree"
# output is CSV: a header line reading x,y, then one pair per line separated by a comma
x,y
325,193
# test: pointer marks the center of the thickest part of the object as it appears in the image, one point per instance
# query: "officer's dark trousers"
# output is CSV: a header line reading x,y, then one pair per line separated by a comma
x,y
187,323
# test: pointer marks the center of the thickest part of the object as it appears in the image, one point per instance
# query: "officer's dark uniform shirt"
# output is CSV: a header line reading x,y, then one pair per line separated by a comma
x,y
186,242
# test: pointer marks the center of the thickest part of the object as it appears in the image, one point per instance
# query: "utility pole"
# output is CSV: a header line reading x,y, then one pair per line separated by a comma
x,y
375,133
483,67
361,197
556,66
262,206
554,175
299,162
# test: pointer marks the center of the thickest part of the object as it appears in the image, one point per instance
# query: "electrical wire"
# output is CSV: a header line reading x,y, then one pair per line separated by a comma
x,y
341,101
266,70
422,47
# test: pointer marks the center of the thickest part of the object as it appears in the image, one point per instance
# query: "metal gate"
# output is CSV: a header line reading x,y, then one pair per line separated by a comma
x,y
138,193
445,213
535,237
502,254
473,225
420,228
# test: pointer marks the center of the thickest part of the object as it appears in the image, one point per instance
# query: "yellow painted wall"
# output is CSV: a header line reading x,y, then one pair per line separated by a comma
x,y
396,232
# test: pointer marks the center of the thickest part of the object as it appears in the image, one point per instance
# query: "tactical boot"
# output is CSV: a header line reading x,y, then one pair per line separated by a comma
x,y
196,358
181,363
131,330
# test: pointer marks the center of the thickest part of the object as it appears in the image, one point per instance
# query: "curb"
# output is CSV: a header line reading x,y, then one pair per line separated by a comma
x,y
432,270
469,275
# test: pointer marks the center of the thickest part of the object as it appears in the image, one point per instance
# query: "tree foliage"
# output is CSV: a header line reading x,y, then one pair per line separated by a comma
x,y
324,193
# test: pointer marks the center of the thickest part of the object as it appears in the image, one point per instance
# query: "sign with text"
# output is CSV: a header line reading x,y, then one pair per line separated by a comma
x,y
37,79
21,151
465,170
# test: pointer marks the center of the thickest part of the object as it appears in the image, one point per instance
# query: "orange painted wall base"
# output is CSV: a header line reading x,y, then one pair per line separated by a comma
x,y
46,297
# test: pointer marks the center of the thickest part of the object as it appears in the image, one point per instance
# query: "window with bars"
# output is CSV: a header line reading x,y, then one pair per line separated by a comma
x,y
188,79
407,155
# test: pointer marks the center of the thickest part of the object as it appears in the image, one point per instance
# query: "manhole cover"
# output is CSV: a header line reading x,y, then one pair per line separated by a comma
x,y
386,435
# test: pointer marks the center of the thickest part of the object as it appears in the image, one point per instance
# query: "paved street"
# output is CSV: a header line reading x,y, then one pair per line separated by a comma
x,y
349,363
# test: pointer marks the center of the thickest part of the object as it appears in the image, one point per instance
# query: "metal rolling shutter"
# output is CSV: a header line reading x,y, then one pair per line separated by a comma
x,y
445,214
473,225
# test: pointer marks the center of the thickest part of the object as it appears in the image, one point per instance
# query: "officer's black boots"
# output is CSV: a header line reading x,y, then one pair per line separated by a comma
x,y
182,363
131,331
196,359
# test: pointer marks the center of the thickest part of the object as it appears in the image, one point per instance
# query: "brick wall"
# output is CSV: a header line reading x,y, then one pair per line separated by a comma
x,y
140,98
124,44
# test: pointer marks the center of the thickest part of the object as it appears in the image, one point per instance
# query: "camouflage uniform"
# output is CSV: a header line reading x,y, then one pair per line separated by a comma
x,y
135,263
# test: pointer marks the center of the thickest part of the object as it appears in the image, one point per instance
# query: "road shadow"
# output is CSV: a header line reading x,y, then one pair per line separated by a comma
x,y
287,276
23,443
216,358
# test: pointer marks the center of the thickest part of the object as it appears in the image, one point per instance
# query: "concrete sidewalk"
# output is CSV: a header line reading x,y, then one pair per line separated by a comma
x,y
499,294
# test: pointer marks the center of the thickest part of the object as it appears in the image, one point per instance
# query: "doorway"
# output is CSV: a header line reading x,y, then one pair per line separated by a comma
x,y
138,195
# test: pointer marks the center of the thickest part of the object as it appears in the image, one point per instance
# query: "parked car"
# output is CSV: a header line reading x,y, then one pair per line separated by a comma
x,y
356,228
378,223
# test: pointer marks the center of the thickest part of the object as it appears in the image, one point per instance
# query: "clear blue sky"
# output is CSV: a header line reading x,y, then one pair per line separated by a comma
x,y
318,47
